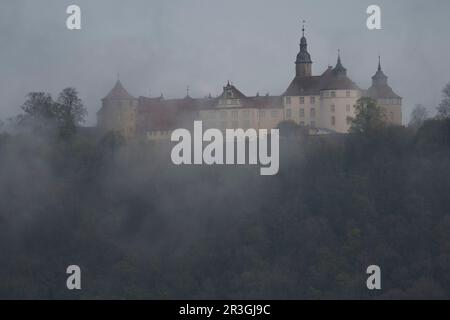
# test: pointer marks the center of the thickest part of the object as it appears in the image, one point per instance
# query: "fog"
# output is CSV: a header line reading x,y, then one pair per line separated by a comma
x,y
163,46
142,228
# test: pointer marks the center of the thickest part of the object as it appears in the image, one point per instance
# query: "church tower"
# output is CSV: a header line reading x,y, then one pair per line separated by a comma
x,y
303,64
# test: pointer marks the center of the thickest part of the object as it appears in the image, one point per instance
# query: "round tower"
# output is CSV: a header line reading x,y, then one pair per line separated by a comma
x,y
118,112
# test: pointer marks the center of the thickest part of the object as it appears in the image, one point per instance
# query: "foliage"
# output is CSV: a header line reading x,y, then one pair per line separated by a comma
x,y
140,227
369,119
44,115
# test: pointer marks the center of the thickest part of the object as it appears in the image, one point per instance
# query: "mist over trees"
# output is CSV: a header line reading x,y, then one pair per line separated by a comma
x,y
140,227
444,107
418,116
43,114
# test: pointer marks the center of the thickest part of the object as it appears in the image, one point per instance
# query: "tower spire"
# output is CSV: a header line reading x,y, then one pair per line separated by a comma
x,y
303,62
339,69
379,78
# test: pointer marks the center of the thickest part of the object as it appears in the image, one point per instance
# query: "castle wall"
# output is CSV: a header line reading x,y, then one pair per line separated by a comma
x,y
303,110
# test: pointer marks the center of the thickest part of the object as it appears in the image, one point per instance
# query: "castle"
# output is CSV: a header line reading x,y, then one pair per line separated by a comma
x,y
323,103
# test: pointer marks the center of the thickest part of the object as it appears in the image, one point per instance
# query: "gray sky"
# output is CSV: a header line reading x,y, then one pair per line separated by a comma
x,y
163,46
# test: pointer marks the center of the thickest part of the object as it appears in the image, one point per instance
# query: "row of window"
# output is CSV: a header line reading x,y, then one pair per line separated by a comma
x,y
333,121
348,108
229,101
234,114
312,100
312,113
332,94
228,124
273,113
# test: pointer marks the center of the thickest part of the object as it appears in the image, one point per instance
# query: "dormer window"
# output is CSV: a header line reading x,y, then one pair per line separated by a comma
x,y
230,94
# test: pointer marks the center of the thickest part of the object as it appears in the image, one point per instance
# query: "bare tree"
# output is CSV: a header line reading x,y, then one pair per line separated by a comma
x,y
70,111
418,116
444,106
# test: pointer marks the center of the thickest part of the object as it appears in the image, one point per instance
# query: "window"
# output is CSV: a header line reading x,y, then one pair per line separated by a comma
x,y
246,113
262,114
302,100
332,108
349,121
234,114
274,113
333,120
312,100
288,113
327,94
348,108
333,94
313,124
229,94
288,100
223,114
347,94
302,113
312,113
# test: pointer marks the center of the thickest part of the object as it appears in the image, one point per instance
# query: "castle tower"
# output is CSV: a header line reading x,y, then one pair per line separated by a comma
x,y
303,64
385,96
118,112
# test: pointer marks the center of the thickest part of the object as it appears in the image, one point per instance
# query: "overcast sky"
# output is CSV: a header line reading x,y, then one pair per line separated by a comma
x,y
163,46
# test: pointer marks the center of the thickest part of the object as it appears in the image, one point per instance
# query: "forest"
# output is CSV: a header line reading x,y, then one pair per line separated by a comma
x,y
142,228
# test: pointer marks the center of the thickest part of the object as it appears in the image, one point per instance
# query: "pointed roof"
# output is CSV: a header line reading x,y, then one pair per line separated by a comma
x,y
380,87
118,93
339,69
379,77
328,80
303,56
231,89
